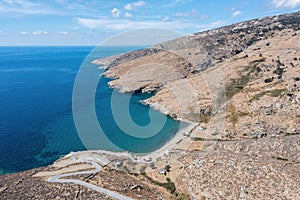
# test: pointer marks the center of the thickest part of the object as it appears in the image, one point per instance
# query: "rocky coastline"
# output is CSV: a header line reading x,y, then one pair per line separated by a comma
x,y
238,85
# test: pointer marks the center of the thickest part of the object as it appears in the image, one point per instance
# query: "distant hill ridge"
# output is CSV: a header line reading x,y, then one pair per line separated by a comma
x,y
243,35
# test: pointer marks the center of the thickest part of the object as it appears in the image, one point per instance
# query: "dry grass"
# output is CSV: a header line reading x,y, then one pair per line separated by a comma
x,y
233,114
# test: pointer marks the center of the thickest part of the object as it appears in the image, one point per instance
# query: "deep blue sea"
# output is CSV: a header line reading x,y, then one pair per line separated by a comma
x,y
36,121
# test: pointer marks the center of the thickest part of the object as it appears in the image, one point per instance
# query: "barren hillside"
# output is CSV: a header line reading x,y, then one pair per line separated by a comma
x,y
240,84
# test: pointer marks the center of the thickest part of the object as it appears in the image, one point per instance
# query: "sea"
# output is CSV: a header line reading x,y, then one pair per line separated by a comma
x,y
36,120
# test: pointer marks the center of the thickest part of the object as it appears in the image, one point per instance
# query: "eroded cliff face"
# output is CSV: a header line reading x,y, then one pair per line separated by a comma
x,y
245,76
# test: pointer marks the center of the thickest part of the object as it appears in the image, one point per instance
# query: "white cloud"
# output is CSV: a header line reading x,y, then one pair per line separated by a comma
x,y
82,6
39,33
34,33
165,19
125,24
134,5
62,33
176,3
128,15
25,7
286,3
115,12
191,13
24,33
236,13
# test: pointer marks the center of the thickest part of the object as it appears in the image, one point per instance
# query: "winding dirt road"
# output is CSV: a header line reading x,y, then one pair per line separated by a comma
x,y
59,179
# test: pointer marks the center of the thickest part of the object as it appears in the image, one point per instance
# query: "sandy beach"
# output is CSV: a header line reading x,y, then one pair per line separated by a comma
x,y
181,135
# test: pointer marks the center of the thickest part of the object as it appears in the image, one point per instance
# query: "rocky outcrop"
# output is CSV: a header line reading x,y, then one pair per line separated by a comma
x,y
148,74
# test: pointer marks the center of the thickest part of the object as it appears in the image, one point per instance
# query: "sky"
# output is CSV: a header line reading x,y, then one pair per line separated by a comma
x,y
90,22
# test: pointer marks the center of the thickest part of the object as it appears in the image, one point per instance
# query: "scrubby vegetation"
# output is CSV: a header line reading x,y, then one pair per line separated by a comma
x,y
291,22
169,185
235,86
269,80
279,71
234,115
297,79
205,118
197,139
272,93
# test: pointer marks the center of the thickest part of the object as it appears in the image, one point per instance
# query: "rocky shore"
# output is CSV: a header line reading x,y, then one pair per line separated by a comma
x,y
248,72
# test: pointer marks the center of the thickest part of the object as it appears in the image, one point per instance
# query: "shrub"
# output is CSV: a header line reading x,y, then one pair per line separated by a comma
x,y
258,69
197,139
169,185
279,63
276,92
279,71
269,80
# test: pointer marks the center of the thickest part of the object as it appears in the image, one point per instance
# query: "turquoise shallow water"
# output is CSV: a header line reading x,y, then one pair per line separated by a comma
x,y
36,122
